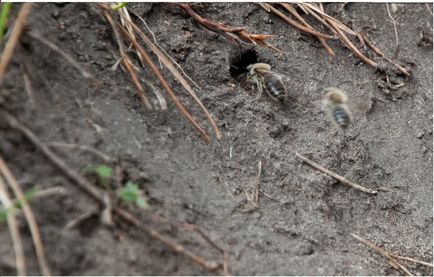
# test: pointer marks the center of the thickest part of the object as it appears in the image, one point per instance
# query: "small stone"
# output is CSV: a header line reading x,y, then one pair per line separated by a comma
x,y
55,14
420,134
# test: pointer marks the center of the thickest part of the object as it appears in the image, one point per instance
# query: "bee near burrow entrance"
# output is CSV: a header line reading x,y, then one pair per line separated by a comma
x,y
272,82
248,70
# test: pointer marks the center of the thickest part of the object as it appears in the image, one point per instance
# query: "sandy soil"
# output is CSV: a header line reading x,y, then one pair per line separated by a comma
x,y
304,219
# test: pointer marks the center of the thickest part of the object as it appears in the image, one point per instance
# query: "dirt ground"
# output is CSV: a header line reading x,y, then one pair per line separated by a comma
x,y
303,223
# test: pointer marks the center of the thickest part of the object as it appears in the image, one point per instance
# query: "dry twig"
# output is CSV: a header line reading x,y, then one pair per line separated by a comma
x,y
391,257
62,53
14,230
229,31
13,40
169,66
294,23
27,84
381,54
395,29
84,148
97,194
335,175
129,65
178,76
323,42
335,26
28,213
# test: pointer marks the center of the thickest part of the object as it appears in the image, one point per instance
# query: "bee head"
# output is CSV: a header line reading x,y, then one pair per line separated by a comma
x,y
258,66
336,95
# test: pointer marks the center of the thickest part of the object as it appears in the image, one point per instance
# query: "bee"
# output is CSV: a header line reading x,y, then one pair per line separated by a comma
x,y
263,77
335,106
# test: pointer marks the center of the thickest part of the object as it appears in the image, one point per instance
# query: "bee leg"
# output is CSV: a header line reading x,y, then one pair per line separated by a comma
x,y
259,85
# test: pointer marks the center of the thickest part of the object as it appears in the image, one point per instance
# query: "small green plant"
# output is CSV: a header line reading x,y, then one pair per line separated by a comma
x,y
130,193
17,205
118,6
6,7
103,172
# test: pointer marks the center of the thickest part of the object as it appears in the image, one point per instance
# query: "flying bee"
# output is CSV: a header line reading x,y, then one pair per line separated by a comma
x,y
335,106
263,77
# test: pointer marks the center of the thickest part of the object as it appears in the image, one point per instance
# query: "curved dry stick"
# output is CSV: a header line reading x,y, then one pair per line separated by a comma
x,y
181,79
13,40
28,213
211,25
295,24
13,228
230,32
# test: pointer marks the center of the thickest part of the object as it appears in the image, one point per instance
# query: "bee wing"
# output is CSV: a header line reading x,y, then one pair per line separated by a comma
x,y
278,75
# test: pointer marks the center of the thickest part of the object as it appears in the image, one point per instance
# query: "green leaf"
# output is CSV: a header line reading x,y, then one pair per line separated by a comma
x,y
130,192
141,202
6,7
118,6
18,204
103,172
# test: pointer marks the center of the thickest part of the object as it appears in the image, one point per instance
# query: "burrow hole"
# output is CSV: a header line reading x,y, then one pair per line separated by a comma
x,y
240,61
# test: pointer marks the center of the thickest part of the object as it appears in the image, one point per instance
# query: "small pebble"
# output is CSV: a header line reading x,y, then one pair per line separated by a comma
x,y
420,134
55,14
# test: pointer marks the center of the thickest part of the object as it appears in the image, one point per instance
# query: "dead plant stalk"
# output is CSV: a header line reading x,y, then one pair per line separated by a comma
x,y
335,175
17,242
28,213
97,194
13,40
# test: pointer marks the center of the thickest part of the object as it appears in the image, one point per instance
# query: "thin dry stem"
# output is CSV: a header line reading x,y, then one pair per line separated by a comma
x,y
28,85
323,42
228,31
62,53
84,148
126,22
28,213
410,260
350,45
167,54
384,253
395,29
381,54
14,230
76,221
313,8
258,183
295,24
334,175
128,64
13,39
429,9
166,86
97,195
179,77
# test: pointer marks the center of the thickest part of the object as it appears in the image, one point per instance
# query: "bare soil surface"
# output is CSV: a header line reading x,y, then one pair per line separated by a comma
x,y
304,218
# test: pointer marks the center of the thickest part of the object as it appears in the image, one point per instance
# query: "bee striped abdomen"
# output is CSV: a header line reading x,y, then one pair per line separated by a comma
x,y
275,87
341,117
